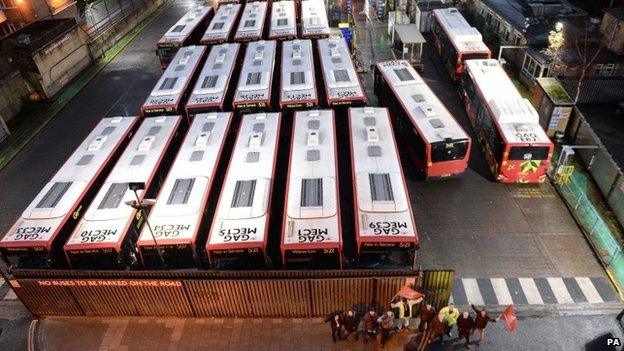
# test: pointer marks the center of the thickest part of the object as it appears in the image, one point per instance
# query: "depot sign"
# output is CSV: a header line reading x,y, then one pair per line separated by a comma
x,y
122,283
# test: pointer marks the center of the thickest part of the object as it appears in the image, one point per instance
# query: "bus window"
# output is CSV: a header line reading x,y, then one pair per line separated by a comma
x,y
529,153
475,56
166,54
442,151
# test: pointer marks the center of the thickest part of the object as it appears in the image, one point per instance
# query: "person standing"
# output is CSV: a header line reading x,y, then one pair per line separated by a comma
x,y
465,326
435,329
481,321
336,324
451,314
387,322
351,322
427,314
370,325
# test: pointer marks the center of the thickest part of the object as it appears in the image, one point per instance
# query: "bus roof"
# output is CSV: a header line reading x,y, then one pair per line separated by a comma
x,y
298,79
171,86
251,24
106,221
434,122
382,200
41,220
222,24
241,216
314,19
181,29
516,117
283,20
312,204
342,83
465,37
256,77
179,208
214,79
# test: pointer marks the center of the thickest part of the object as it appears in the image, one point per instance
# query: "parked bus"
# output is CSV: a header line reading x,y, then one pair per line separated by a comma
x,y
251,25
385,231
456,40
298,80
314,24
437,144
212,90
516,147
240,227
187,31
178,217
311,231
255,84
283,20
342,83
222,25
106,235
37,237
171,90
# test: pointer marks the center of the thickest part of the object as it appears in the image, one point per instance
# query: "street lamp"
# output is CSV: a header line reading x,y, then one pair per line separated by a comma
x,y
142,206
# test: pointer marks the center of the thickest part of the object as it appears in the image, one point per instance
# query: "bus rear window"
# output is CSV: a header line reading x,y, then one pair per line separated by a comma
x,y
443,151
475,56
524,153
167,54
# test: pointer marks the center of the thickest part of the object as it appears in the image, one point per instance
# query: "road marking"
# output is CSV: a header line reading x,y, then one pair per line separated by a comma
x,y
590,292
560,290
530,291
10,295
472,291
502,292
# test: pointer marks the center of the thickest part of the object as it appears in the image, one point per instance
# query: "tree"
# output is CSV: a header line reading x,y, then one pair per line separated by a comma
x,y
585,56
556,41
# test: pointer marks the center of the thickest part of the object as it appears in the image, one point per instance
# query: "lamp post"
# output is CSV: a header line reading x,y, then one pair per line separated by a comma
x,y
141,206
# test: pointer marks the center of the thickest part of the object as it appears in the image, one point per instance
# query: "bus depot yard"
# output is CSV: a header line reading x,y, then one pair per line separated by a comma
x,y
267,165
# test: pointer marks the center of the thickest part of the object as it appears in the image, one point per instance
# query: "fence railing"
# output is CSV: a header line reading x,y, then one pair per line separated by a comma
x,y
105,14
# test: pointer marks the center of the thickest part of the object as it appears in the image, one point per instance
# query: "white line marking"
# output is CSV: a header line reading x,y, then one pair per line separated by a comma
x,y
10,295
451,299
502,291
560,290
530,291
473,294
588,289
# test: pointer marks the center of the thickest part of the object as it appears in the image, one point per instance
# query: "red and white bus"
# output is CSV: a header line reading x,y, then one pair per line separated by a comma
x,y
37,237
516,147
456,40
171,90
314,23
385,231
222,25
213,90
437,144
255,83
106,235
311,227
187,31
283,20
180,212
251,25
342,83
298,80
240,226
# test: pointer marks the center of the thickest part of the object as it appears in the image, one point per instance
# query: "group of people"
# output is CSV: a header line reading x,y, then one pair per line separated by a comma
x,y
432,324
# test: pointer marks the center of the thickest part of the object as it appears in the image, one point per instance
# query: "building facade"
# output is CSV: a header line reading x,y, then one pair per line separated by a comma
x,y
15,14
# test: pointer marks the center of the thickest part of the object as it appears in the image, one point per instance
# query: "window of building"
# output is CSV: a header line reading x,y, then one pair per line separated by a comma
x,y
598,69
609,69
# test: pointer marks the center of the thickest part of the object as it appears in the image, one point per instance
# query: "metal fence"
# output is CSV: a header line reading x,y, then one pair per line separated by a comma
x,y
103,15
287,294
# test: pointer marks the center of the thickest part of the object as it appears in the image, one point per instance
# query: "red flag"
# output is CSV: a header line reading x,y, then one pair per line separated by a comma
x,y
509,314
410,293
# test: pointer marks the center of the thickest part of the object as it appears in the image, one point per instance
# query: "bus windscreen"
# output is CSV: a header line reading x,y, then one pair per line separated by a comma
x,y
166,54
529,153
475,56
443,151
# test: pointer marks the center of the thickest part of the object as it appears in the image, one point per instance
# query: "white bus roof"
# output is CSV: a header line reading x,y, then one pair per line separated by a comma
x,y
516,117
465,37
106,220
341,80
433,121
174,81
251,24
298,79
283,20
312,203
179,208
382,200
179,31
214,79
241,216
41,220
314,22
256,77
222,24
